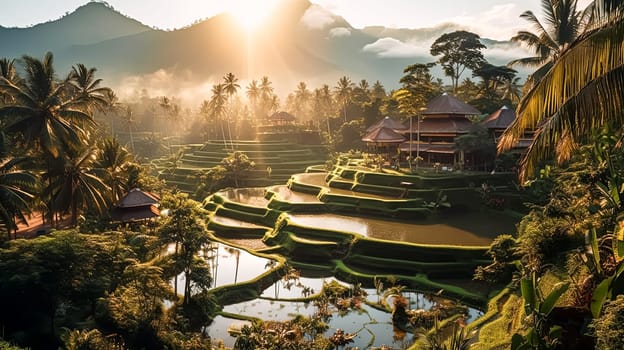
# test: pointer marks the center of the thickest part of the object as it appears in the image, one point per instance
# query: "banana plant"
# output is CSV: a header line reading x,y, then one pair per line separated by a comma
x,y
538,308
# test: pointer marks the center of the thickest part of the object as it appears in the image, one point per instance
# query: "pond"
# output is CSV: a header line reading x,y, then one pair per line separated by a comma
x,y
253,196
468,229
229,265
372,326
286,194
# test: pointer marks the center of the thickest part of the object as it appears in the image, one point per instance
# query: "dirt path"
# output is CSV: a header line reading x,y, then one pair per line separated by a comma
x,y
36,227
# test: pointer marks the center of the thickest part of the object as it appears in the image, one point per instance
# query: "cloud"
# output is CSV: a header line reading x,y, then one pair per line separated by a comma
x,y
316,17
393,48
500,22
167,82
502,53
339,31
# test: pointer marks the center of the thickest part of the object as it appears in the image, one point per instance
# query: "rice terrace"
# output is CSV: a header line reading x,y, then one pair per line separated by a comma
x,y
312,174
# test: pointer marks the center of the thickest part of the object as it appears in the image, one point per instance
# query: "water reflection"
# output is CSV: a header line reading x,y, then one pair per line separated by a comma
x,y
253,196
229,265
286,194
448,232
372,326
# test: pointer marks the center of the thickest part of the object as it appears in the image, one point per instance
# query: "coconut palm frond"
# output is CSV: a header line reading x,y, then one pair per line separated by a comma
x,y
581,92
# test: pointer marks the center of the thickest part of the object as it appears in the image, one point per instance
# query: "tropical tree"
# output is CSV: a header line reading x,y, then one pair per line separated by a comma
x,y
112,158
42,114
128,118
378,90
267,96
230,87
253,94
85,89
185,227
236,165
218,108
581,93
302,100
16,186
458,50
322,104
74,186
561,27
343,93
419,86
8,72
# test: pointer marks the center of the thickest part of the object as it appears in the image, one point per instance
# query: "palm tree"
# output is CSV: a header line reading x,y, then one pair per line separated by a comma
x,y
266,94
230,87
86,90
8,72
302,98
15,189
253,94
128,118
563,24
378,90
74,185
112,159
581,93
343,93
218,107
42,114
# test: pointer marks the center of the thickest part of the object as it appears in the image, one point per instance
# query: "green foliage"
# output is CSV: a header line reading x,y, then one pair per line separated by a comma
x,y
184,227
542,239
459,50
293,334
7,346
235,167
540,335
65,271
608,327
503,254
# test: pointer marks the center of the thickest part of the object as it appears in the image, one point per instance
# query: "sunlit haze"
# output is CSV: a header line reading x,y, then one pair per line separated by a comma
x,y
250,13
491,18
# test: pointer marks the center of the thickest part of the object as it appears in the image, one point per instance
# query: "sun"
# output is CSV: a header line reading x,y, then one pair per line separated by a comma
x,y
251,13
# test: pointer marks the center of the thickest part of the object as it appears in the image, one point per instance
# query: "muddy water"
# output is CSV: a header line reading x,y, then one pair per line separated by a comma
x,y
473,229
253,196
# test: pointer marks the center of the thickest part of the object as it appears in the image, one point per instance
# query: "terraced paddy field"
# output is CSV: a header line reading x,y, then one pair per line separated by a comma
x,y
358,228
283,159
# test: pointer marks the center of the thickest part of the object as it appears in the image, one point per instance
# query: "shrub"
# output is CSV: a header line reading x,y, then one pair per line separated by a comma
x,y
608,328
542,238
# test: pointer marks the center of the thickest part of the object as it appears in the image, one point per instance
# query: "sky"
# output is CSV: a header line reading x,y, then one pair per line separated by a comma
x,y
496,19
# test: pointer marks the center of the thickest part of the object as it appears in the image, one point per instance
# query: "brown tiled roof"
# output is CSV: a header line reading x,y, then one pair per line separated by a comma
x,y
137,198
447,104
443,126
388,122
282,116
135,213
383,135
500,119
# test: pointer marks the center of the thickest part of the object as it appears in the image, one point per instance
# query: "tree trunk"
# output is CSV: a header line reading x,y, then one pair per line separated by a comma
x,y
187,287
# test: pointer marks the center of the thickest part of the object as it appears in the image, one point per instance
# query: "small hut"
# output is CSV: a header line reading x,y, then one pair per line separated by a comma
x,y
281,118
136,205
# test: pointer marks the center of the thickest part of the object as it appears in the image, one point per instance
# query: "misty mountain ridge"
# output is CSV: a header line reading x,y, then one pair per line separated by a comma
x,y
299,42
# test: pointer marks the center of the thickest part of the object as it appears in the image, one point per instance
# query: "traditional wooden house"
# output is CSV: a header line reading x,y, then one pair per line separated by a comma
x,y
499,121
433,133
136,205
389,123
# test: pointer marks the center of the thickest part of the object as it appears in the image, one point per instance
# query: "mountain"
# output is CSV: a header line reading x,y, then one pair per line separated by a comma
x,y
300,42
91,23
